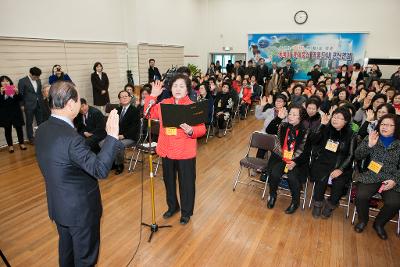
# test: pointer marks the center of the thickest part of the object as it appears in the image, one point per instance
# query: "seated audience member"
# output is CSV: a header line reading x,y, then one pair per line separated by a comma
x,y
350,107
395,80
237,84
245,99
390,93
270,113
383,174
45,104
58,75
130,88
315,73
373,104
343,74
100,85
396,103
332,156
256,89
11,113
290,157
313,118
309,89
90,123
325,104
356,75
129,127
297,97
204,94
372,119
144,92
223,105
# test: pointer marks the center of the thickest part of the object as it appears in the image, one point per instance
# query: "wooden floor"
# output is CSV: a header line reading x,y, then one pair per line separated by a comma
x,y
227,229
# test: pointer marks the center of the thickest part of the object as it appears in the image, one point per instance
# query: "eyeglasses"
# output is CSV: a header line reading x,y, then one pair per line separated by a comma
x,y
124,96
387,125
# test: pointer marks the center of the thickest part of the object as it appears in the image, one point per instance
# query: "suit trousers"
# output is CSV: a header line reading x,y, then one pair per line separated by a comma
x,y
276,171
186,170
391,200
8,134
78,246
29,115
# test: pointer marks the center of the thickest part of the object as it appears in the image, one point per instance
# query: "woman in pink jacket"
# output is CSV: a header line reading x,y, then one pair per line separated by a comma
x,y
177,148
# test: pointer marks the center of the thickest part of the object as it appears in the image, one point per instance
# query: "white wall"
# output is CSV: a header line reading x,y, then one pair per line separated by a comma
x,y
234,19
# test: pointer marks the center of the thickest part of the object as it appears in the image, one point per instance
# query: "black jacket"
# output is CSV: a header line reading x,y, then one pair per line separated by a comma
x,y
261,73
315,74
154,74
71,171
129,125
95,124
10,111
99,85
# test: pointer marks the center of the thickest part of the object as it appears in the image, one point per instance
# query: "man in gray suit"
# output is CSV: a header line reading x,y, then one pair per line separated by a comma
x,y
30,88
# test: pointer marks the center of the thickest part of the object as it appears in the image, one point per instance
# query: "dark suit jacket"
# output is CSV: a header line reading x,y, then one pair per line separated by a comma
x,y
98,85
95,124
129,125
30,98
261,73
288,74
154,72
10,111
71,171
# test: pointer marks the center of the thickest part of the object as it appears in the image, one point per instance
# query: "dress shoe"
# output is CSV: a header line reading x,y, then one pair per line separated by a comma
x,y
292,208
10,149
380,231
317,209
271,201
328,209
119,169
169,213
184,220
360,226
22,147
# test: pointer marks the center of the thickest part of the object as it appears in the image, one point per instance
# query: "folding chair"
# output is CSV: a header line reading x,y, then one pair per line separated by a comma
x,y
108,109
258,140
144,147
344,200
377,196
229,121
210,126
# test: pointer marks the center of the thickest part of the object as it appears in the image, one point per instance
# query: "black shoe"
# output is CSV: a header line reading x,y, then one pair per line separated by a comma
x,y
271,201
292,208
328,209
360,226
380,231
169,213
317,209
119,169
184,220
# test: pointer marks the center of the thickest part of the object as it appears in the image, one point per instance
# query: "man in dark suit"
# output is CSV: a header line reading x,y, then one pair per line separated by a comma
x,y
30,88
238,69
250,69
71,171
154,73
261,72
90,124
129,127
288,73
229,67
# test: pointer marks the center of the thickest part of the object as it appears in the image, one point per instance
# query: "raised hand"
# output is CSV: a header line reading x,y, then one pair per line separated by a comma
x,y
336,173
373,138
270,99
325,118
263,101
370,115
282,113
112,125
156,88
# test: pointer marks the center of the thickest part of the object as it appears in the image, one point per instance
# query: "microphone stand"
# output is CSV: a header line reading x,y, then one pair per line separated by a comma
x,y
153,226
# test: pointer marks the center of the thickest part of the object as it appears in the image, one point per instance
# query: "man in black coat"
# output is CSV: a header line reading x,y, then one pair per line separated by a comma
x,y
30,89
129,127
229,67
315,73
288,73
250,69
154,73
90,124
71,172
238,69
262,72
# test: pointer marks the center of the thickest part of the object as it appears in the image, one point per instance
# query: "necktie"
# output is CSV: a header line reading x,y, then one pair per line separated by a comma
x,y
122,114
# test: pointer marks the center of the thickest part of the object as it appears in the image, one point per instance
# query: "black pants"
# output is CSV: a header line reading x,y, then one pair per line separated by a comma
x,y
337,189
186,169
276,170
29,114
391,200
220,121
8,134
78,246
243,108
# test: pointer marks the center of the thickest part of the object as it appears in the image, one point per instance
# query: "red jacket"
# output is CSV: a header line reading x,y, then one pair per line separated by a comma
x,y
179,146
247,95
236,86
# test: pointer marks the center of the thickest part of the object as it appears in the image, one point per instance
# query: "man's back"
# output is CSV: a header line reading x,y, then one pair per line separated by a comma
x,y
71,171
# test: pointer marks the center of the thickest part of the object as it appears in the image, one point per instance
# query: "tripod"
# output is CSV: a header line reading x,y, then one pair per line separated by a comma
x,y
153,226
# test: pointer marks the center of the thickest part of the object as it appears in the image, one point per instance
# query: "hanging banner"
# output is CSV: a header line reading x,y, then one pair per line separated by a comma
x,y
329,50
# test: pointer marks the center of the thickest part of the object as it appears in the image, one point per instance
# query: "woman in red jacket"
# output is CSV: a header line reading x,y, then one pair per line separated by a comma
x,y
177,148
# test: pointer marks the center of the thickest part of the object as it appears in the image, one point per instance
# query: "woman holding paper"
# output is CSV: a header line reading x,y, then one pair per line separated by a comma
x,y
10,112
383,173
177,148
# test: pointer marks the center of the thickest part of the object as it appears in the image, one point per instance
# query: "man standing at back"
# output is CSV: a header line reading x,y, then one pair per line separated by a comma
x,y
71,171
30,88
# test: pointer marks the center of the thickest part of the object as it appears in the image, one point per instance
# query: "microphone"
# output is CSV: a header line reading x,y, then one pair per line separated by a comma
x,y
151,104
